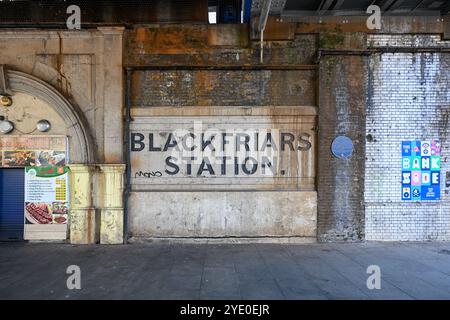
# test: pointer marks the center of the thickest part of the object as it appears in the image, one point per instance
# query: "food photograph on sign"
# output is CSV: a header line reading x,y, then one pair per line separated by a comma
x,y
19,159
32,151
60,211
38,213
44,213
50,158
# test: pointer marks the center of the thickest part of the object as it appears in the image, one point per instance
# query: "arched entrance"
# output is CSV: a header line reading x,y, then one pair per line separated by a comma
x,y
80,139
33,100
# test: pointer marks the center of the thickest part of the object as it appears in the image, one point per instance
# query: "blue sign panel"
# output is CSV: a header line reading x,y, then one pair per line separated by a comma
x,y
342,147
421,169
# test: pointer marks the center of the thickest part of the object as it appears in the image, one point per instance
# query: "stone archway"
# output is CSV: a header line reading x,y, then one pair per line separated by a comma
x,y
80,139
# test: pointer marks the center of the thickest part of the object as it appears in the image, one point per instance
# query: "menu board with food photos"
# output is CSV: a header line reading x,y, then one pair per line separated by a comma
x,y
46,195
32,151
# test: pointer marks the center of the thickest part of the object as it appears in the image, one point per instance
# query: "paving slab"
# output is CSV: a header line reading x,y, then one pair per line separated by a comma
x,y
226,271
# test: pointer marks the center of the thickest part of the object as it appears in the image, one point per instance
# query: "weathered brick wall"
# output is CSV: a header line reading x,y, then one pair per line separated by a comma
x,y
342,99
194,45
224,88
357,198
341,90
201,45
207,81
409,100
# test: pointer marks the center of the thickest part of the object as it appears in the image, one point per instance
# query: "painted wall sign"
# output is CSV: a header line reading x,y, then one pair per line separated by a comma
x,y
421,167
46,195
254,152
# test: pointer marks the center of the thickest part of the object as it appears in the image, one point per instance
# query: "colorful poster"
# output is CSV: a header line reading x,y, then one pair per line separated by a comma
x,y
46,195
32,151
421,166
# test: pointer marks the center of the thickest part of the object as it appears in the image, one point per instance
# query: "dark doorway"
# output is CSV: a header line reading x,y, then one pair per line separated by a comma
x,y
12,195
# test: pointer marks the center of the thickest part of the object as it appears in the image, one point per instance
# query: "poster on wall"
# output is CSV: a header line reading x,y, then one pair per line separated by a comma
x,y
46,195
32,151
421,169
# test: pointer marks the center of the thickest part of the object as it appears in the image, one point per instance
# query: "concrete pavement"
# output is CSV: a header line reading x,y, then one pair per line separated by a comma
x,y
226,271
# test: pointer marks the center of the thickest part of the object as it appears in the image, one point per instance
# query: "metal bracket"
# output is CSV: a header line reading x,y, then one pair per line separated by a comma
x,y
265,10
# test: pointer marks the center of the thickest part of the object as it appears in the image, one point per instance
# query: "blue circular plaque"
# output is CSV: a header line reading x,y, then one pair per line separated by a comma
x,y
342,147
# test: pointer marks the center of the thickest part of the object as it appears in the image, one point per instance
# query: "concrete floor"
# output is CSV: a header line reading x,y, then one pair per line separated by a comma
x,y
212,271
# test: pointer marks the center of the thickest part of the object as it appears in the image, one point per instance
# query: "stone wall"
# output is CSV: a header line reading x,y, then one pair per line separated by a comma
x,y
79,76
86,68
357,85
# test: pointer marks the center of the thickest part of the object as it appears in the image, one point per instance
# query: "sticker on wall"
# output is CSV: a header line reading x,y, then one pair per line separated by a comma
x,y
421,166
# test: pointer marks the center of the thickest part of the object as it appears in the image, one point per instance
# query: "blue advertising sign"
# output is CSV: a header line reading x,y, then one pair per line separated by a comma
x,y
421,169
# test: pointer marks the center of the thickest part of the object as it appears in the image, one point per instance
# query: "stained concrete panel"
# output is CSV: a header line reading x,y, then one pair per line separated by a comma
x,y
223,214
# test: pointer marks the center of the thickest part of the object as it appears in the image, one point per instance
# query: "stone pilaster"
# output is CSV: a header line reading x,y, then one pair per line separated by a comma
x,y
84,219
112,79
112,210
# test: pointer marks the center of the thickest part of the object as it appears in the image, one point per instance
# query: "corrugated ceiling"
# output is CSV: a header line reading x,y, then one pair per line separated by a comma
x,y
354,7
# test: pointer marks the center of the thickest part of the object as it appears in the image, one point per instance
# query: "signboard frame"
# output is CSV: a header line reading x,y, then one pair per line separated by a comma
x,y
421,170
38,144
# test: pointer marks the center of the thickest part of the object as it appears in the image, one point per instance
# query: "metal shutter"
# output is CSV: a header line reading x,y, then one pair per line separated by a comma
x,y
12,195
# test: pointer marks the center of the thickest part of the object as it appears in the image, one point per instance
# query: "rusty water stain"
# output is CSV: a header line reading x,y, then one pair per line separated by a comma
x,y
62,81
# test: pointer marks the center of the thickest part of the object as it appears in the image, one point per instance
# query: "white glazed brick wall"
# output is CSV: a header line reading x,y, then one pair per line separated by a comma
x,y
410,100
407,41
